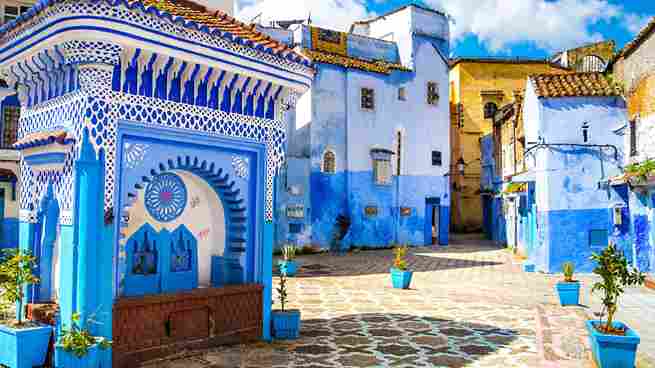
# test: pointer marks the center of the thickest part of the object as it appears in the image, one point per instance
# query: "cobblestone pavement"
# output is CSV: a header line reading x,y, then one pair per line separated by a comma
x,y
469,306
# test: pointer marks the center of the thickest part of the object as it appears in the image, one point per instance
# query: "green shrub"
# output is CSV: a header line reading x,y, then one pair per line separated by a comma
x,y
615,276
568,268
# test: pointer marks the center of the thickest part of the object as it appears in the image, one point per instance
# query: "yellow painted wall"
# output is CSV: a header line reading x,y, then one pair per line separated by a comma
x,y
469,79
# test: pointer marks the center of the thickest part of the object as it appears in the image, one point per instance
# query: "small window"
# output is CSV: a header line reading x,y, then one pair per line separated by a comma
x,y
585,132
633,138
329,162
11,114
402,94
436,158
295,228
382,172
368,99
490,109
433,93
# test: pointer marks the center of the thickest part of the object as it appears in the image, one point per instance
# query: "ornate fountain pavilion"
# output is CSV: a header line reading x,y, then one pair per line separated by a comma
x,y
151,135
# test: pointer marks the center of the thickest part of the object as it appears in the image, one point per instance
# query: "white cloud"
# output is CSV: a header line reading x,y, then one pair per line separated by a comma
x,y
334,14
552,25
498,24
634,22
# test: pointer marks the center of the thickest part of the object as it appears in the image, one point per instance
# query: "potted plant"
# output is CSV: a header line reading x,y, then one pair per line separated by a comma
x,y
23,344
288,264
400,277
286,323
613,343
569,289
77,348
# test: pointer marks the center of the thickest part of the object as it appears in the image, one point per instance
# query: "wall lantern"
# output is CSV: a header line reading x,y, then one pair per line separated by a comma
x,y
461,166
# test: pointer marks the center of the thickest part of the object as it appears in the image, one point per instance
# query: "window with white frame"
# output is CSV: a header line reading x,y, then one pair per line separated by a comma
x,y
381,166
12,10
329,165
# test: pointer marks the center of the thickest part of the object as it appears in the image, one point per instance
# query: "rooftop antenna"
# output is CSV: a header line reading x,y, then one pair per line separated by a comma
x,y
255,18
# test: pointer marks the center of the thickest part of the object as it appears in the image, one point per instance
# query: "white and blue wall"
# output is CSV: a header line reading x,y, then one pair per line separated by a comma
x,y
330,118
571,206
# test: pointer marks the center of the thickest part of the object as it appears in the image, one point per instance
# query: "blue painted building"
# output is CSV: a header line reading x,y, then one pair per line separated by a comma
x,y
573,146
370,141
633,194
151,134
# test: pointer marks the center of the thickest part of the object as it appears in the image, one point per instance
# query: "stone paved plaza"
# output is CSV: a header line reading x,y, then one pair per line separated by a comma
x,y
470,306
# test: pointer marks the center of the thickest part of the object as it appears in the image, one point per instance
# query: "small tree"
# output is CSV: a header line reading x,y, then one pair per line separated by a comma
x,y
615,276
282,291
16,273
399,261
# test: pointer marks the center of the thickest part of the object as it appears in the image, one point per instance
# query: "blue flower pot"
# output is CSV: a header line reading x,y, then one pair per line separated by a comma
x,y
611,351
65,359
401,279
569,293
290,267
24,348
286,325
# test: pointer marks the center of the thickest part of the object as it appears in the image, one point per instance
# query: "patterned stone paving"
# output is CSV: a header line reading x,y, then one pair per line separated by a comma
x,y
470,306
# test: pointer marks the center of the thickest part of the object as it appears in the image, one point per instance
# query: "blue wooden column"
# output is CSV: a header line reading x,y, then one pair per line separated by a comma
x,y
89,225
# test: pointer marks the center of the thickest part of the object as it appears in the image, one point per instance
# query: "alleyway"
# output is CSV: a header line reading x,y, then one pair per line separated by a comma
x,y
470,306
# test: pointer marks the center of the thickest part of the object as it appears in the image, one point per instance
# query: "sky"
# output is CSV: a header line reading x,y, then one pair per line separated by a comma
x,y
516,28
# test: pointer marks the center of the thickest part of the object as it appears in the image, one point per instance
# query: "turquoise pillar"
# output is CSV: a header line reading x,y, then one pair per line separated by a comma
x,y
67,274
88,215
267,274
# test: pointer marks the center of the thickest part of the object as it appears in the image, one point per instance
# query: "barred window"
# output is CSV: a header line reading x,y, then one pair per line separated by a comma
x,y
433,93
10,117
368,98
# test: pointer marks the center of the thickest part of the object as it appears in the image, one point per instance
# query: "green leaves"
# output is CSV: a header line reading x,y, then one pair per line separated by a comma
x,y
289,252
616,275
642,170
78,339
16,273
399,261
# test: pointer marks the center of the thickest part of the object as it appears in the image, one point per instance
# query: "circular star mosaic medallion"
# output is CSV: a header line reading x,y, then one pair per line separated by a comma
x,y
166,197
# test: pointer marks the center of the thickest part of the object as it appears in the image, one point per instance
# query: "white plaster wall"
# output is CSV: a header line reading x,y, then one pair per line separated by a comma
x,y
396,27
400,27
572,179
206,221
425,127
304,110
645,139
536,161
